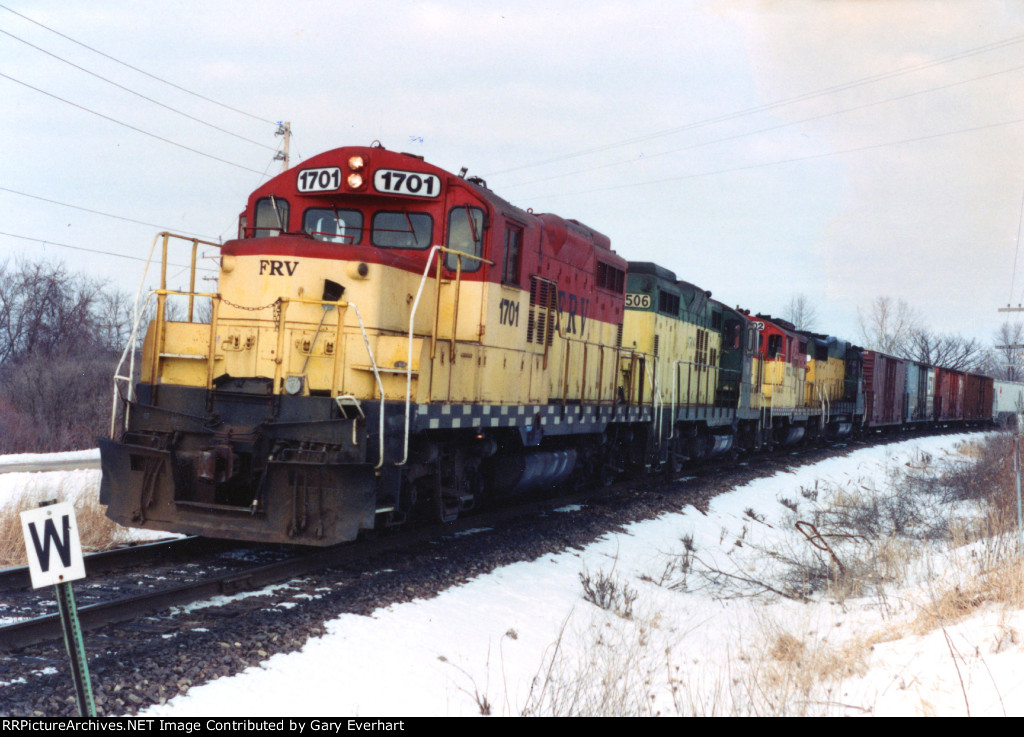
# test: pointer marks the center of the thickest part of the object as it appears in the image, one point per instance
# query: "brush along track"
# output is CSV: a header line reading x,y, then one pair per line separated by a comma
x,y
154,658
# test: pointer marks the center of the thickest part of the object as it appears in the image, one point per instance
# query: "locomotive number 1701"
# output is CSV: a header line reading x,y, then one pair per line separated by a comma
x,y
412,183
508,312
319,180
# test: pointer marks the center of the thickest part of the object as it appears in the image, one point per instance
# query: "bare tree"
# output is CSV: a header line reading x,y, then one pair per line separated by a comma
x,y
889,326
949,351
46,311
60,335
801,312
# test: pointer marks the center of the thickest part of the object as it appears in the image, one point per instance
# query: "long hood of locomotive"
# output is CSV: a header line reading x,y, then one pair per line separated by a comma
x,y
472,340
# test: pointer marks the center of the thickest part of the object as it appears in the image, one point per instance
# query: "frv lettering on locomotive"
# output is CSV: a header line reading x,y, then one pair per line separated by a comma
x,y
278,268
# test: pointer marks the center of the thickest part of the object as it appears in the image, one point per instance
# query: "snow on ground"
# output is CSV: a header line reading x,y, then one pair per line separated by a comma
x,y
80,486
523,639
58,485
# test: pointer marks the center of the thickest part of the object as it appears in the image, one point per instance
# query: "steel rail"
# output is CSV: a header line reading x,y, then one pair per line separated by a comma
x,y
19,635
112,560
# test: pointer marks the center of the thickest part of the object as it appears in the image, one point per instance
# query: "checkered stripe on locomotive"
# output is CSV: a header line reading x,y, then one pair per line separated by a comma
x,y
552,416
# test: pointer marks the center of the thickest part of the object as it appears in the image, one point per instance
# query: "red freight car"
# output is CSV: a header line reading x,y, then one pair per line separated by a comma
x,y
949,394
977,397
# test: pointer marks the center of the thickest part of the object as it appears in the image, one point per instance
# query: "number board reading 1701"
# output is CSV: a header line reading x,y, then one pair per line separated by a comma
x,y
319,180
416,184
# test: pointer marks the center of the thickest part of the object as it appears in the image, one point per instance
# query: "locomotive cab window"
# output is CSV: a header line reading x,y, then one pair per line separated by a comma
x,y
402,230
466,235
513,248
774,346
271,217
733,332
335,226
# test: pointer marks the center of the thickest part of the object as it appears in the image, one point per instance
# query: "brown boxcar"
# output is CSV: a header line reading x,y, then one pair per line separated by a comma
x,y
884,382
977,397
949,394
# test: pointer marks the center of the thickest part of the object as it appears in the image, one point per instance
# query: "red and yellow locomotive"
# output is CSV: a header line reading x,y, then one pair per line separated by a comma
x,y
386,337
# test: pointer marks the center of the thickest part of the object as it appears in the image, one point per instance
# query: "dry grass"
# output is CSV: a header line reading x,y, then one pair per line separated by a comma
x,y
955,514
96,531
999,585
794,674
618,672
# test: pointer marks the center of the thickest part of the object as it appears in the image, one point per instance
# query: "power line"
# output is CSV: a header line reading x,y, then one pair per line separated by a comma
x,y
137,94
132,127
88,250
648,157
140,71
772,105
98,212
798,159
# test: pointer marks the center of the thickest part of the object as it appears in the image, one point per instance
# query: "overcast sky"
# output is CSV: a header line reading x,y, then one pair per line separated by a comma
x,y
843,149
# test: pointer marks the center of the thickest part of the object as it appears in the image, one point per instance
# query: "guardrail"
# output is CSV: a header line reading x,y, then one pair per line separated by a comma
x,y
63,464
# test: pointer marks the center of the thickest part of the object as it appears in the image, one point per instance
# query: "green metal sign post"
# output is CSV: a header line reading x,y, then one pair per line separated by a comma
x,y
55,558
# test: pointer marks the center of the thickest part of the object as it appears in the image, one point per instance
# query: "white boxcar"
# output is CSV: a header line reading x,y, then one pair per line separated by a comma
x,y
1007,402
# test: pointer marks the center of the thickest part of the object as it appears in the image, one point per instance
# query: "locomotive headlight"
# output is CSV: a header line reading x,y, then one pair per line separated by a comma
x,y
355,163
355,181
293,385
357,270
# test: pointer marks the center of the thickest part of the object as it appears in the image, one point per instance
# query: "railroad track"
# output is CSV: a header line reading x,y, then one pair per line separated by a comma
x,y
19,635
125,557
288,563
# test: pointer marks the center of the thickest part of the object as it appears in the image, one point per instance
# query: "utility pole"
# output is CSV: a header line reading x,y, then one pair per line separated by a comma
x,y
284,129
1012,346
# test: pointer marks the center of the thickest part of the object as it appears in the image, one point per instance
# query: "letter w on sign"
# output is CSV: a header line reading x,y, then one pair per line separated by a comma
x,y
52,543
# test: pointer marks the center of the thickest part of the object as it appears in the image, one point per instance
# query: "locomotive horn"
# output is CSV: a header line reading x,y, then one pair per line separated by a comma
x,y
332,292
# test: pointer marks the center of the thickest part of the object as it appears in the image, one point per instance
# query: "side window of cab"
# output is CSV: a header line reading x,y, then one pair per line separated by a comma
x,y
465,235
512,255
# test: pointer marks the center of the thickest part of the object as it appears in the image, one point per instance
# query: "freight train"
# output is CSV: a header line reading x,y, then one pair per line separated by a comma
x,y
389,340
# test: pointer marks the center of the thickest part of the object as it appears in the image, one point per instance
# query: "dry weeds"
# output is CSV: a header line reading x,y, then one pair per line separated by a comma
x,y
95,530
862,542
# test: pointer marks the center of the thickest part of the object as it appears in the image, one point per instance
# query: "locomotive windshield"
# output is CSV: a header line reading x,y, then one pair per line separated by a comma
x,y
336,226
402,230
271,217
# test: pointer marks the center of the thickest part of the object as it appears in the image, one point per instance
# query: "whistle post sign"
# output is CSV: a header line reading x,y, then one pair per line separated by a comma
x,y
54,548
